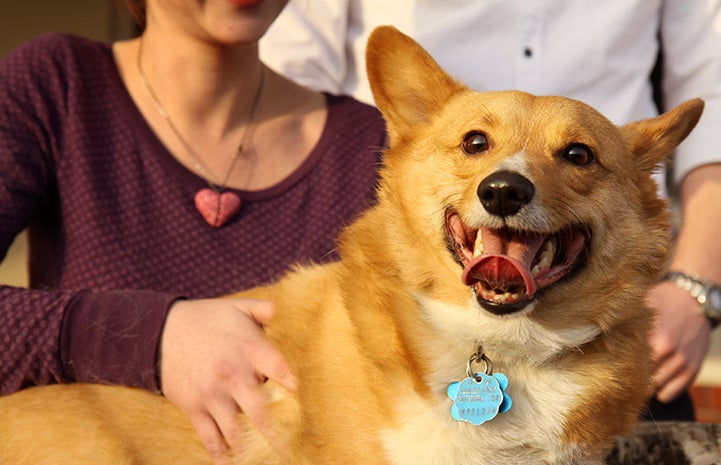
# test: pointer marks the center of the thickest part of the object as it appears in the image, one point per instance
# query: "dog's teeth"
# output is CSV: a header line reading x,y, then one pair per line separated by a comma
x,y
545,257
494,295
478,246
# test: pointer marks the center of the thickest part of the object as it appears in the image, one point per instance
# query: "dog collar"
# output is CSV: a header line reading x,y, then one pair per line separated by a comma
x,y
481,396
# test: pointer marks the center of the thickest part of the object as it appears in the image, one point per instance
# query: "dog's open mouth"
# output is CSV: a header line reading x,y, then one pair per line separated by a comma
x,y
507,268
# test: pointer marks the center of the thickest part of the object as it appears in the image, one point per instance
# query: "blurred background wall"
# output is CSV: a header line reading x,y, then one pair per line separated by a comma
x,y
99,19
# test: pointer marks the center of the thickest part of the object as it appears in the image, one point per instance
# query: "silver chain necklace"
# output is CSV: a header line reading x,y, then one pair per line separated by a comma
x,y
216,205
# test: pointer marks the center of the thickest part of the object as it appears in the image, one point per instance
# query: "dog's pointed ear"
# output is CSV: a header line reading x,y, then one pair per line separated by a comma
x,y
653,140
408,85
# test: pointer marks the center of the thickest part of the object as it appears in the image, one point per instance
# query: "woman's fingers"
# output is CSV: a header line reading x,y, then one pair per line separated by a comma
x,y
265,359
215,358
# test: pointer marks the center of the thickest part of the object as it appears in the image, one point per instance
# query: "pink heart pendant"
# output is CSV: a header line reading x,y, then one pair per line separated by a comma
x,y
216,208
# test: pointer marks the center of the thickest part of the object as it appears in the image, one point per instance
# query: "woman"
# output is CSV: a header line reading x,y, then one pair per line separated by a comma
x,y
155,174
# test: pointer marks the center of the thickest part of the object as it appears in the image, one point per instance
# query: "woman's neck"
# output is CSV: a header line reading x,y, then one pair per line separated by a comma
x,y
209,103
201,85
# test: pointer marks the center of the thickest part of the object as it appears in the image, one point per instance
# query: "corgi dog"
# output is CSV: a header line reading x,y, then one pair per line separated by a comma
x,y
488,309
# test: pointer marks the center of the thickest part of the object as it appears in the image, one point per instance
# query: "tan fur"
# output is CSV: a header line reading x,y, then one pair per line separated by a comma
x,y
376,338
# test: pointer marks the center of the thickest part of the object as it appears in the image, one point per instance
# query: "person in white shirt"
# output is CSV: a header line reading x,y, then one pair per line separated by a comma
x,y
600,52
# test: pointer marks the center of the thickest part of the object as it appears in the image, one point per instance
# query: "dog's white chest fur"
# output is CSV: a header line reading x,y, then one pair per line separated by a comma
x,y
530,433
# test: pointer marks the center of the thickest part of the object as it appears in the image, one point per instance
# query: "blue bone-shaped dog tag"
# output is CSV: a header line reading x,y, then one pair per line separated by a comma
x,y
479,398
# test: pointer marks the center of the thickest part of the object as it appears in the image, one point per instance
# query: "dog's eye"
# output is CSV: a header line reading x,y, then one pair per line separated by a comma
x,y
475,142
578,154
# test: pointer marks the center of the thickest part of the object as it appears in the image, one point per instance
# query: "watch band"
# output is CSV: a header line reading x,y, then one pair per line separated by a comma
x,y
706,293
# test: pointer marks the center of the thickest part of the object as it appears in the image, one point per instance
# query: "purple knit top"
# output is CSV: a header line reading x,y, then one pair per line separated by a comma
x,y
114,235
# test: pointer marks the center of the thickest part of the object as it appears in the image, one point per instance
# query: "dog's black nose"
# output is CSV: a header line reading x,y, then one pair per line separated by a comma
x,y
504,193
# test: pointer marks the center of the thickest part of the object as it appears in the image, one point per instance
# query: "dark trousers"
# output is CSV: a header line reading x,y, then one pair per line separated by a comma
x,y
680,409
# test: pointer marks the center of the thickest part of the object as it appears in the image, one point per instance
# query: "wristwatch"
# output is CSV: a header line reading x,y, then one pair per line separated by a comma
x,y
706,293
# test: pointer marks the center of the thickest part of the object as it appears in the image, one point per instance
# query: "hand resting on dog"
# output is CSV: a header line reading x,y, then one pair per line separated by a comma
x,y
214,357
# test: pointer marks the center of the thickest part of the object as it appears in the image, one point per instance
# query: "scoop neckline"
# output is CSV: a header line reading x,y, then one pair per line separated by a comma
x,y
158,150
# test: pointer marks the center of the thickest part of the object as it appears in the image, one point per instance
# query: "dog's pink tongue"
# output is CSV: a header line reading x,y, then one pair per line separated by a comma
x,y
506,260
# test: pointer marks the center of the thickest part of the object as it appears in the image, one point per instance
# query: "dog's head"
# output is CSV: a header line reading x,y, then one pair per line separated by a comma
x,y
522,198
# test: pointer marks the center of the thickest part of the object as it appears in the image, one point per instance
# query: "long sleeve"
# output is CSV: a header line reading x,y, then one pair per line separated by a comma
x,y
58,335
691,44
65,336
113,337
30,323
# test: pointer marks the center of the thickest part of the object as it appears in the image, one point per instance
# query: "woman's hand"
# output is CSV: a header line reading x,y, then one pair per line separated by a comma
x,y
214,359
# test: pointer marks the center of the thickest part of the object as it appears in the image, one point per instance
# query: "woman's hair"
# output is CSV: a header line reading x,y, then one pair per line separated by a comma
x,y
137,10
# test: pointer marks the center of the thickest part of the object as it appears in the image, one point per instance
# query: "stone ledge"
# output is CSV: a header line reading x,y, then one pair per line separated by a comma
x,y
669,443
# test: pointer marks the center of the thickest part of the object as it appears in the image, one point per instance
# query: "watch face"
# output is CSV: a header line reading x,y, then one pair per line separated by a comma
x,y
713,300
